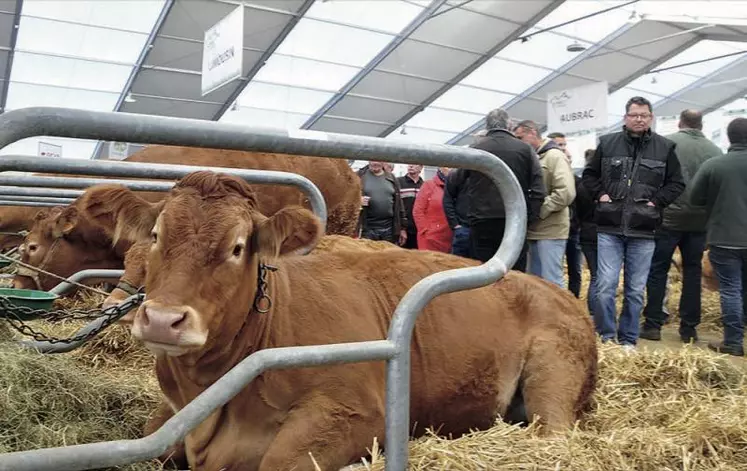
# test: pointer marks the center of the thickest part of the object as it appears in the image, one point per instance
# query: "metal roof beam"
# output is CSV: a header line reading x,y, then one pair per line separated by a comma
x,y
726,37
554,75
474,66
11,53
693,86
264,58
422,17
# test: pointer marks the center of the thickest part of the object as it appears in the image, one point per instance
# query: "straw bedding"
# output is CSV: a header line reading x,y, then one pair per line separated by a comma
x,y
682,409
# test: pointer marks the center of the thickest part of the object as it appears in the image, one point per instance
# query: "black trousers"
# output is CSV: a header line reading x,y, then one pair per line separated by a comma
x,y
485,237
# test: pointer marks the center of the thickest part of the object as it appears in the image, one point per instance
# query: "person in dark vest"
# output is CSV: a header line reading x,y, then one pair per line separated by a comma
x,y
409,185
682,226
382,212
633,176
456,207
587,234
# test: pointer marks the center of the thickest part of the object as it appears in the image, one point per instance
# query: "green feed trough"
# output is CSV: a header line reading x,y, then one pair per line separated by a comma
x,y
27,298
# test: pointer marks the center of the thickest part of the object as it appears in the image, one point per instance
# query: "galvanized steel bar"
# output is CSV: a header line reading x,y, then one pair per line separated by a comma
x,y
24,163
39,199
46,192
26,203
19,124
64,286
121,452
82,182
63,347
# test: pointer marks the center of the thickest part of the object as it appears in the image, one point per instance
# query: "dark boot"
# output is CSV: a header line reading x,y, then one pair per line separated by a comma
x,y
650,333
735,350
688,335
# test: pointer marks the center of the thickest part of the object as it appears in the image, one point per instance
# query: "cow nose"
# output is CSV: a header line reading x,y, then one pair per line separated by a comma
x,y
161,324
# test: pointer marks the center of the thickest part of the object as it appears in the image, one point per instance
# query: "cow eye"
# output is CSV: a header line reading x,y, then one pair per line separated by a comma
x,y
154,237
237,250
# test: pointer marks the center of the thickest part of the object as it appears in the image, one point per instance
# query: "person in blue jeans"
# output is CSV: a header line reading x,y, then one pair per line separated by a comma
x,y
721,186
456,206
633,175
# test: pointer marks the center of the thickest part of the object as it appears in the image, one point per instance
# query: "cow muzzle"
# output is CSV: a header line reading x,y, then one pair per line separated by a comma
x,y
173,330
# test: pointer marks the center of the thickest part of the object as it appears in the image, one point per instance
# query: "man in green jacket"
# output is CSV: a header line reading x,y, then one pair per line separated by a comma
x,y
721,186
682,226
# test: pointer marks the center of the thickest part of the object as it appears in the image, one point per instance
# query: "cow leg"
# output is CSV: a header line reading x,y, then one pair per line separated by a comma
x,y
333,434
553,379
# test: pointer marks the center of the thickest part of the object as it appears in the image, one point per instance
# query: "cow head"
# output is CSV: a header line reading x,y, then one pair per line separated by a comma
x,y
207,240
62,242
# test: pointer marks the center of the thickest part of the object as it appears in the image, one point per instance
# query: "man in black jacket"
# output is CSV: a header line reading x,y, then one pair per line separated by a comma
x,y
456,207
487,216
633,175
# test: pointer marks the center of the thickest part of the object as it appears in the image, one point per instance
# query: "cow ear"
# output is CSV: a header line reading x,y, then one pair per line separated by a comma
x,y
122,214
65,222
289,230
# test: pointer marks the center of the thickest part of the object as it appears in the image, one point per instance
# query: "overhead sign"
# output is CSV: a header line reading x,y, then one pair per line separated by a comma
x,y
577,109
222,51
47,149
666,125
118,150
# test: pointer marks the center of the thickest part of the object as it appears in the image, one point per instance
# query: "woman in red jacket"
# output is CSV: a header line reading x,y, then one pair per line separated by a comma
x,y
434,232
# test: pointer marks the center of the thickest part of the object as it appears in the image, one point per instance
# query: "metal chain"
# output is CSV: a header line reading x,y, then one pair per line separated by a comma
x,y
61,278
111,314
261,286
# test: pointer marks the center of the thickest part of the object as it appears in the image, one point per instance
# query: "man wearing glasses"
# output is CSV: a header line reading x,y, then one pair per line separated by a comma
x,y
633,175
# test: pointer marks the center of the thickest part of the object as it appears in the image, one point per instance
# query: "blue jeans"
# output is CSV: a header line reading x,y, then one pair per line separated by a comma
x,y
573,258
730,266
546,259
590,252
460,242
691,246
636,253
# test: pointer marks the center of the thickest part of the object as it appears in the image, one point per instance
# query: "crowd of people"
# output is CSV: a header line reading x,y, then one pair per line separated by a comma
x,y
639,196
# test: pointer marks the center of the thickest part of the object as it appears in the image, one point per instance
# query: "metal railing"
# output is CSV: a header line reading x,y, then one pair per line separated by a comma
x,y
395,349
63,286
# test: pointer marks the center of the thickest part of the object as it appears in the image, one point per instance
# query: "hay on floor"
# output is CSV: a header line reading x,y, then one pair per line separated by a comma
x,y
664,410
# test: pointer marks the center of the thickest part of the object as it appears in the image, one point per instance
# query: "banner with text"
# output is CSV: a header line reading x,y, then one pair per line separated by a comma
x,y
577,109
223,51
47,149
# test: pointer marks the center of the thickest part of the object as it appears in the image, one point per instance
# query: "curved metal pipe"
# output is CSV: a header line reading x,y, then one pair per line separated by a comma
x,y
44,192
63,287
39,199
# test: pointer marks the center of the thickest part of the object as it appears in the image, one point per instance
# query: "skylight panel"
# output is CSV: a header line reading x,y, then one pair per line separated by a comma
x,y
545,49
387,16
591,29
444,120
505,76
470,99
136,16
30,68
718,12
416,134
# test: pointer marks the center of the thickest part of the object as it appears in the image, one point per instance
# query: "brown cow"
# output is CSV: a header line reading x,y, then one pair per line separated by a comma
x,y
14,219
472,351
134,264
62,243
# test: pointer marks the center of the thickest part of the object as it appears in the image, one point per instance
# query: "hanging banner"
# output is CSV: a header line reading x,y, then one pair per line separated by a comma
x,y
47,149
118,150
223,51
577,109
666,125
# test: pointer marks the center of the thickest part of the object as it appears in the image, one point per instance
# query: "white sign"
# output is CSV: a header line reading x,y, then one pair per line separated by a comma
x,y
49,150
577,109
223,51
666,125
118,150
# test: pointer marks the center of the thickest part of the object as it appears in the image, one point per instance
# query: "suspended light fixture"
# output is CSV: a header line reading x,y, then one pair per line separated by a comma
x,y
575,46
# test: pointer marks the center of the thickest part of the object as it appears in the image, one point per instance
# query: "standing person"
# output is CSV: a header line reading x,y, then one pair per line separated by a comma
x,y
456,207
409,185
721,186
683,226
634,174
382,213
434,232
573,253
487,216
587,234
548,237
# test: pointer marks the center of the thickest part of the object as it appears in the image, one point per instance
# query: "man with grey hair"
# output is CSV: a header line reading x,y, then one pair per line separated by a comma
x,y
486,215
